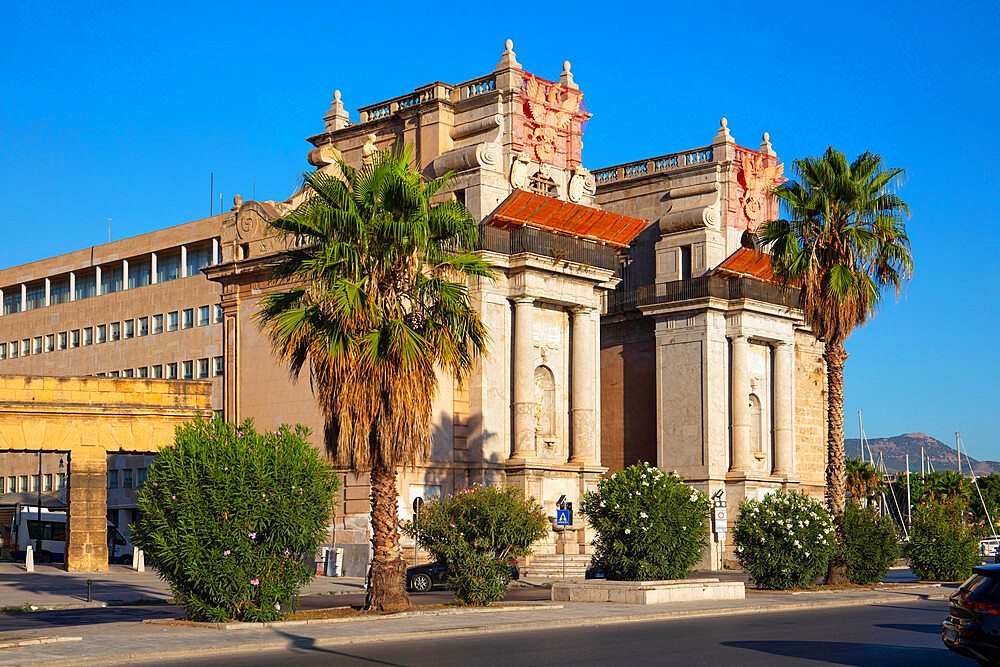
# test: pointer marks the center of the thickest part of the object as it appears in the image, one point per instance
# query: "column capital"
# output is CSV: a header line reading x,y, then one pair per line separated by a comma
x,y
524,300
784,344
581,309
741,337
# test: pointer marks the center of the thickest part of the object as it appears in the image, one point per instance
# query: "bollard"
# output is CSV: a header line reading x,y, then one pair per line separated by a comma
x,y
90,590
142,562
29,559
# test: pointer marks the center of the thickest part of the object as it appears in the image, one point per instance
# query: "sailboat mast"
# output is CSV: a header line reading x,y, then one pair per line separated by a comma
x,y
909,503
958,450
923,466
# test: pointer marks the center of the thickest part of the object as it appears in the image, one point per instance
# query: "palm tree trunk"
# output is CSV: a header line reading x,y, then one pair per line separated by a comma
x,y
836,469
387,572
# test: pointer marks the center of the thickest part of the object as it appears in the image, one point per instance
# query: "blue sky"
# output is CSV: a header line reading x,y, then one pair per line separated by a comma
x,y
123,110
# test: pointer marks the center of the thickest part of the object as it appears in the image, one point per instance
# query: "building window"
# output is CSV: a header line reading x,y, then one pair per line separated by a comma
x,y
685,263
86,287
189,370
218,366
36,345
62,340
48,483
196,259
50,342
102,333
36,297
140,481
2,480
202,316
12,484
60,481
172,371
218,313
59,291
112,479
543,185
111,280
22,483
74,338
143,371
138,274
12,303
129,372
114,374
168,268
26,346
129,328
34,483
143,326
188,318
172,321
157,324
88,336
13,349
116,331
202,368
127,478
3,351
157,371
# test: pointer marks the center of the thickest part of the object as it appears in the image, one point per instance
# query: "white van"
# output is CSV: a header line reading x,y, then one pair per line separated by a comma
x,y
24,531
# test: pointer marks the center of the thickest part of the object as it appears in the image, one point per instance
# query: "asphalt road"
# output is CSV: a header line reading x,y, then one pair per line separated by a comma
x,y
882,635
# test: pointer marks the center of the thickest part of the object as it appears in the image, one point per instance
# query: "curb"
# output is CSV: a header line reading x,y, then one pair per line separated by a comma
x,y
36,641
464,631
240,625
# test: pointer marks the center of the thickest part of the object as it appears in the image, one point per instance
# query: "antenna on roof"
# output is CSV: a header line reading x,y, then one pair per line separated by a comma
x,y
211,195
109,230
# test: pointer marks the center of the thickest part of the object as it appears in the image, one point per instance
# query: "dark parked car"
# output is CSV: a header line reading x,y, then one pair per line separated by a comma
x,y
972,628
595,572
422,578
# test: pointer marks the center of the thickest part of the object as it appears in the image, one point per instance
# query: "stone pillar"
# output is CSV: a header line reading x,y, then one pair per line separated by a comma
x,y
740,397
1,303
48,292
24,297
152,268
524,378
783,390
86,526
215,251
72,286
584,390
97,281
184,261
124,274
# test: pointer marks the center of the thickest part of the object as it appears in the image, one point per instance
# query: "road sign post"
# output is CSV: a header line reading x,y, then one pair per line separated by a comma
x,y
418,502
720,522
564,518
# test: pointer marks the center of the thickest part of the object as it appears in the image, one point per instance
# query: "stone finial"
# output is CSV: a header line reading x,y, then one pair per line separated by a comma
x,y
765,146
723,134
508,60
237,202
336,118
566,78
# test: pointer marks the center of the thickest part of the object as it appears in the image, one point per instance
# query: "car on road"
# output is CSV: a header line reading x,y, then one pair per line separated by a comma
x,y
423,578
595,572
972,628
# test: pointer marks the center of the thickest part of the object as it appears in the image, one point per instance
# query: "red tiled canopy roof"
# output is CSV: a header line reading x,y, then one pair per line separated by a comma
x,y
562,217
746,262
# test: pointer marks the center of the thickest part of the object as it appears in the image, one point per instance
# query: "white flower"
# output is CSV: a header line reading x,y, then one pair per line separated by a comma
x,y
277,607
643,515
796,542
806,522
628,531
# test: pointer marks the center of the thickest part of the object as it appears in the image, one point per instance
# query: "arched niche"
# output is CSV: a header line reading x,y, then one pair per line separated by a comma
x,y
545,402
756,425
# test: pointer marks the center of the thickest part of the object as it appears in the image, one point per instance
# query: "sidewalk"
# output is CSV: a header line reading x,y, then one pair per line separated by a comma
x,y
125,638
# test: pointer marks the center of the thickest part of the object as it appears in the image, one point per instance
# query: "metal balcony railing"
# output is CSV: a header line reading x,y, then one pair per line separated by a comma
x,y
546,244
700,288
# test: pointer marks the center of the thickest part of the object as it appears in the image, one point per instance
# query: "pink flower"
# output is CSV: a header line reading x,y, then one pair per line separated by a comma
x,y
254,582
252,536
452,525
226,552
173,497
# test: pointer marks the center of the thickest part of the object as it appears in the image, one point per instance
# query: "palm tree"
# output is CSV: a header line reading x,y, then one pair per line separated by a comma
x,y
862,479
844,243
375,301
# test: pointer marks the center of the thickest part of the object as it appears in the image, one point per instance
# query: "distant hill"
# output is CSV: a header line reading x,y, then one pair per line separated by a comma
x,y
895,449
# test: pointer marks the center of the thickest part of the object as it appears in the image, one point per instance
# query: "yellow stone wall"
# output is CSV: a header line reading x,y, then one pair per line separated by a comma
x,y
810,414
87,418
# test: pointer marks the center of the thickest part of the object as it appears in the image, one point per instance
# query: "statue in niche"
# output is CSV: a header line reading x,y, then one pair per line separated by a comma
x,y
545,402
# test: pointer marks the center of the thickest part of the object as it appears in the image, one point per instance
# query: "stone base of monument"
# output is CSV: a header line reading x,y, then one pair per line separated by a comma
x,y
648,592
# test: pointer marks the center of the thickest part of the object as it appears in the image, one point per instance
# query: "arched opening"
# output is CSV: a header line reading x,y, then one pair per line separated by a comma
x,y
545,402
756,425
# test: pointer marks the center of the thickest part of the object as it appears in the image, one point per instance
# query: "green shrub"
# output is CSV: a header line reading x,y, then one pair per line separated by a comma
x,y
870,544
649,524
475,532
784,541
228,516
941,547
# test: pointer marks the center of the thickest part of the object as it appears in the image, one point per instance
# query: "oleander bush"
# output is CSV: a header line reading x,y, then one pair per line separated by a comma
x,y
649,524
942,547
869,545
784,541
229,517
475,532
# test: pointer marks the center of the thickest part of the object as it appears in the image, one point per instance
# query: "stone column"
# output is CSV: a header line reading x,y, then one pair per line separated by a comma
x,y
86,529
24,297
152,268
740,397
72,286
124,274
184,261
524,378
97,281
584,389
48,292
1,304
215,251
783,380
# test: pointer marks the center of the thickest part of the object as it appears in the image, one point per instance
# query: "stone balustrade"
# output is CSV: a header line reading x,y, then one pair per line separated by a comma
x,y
630,170
434,91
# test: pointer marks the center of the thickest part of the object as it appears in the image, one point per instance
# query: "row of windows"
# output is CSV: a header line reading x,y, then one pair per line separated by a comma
x,y
140,274
188,371
125,478
142,326
29,483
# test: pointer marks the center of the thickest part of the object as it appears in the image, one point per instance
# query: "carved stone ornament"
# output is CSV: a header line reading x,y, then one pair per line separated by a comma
x,y
582,183
368,149
519,173
758,179
549,108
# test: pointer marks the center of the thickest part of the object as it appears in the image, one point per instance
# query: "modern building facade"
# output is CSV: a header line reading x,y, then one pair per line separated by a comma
x,y
629,320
